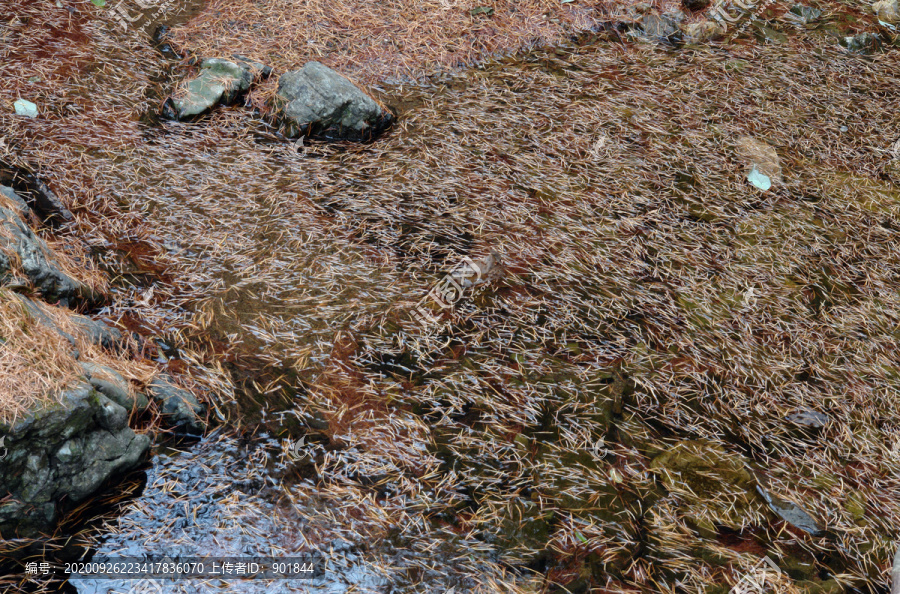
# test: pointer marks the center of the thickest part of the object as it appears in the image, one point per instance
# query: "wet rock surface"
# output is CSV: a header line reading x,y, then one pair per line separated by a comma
x,y
661,26
863,43
30,188
35,259
763,166
215,501
805,14
716,486
809,419
180,408
95,331
317,101
791,513
63,452
112,385
220,82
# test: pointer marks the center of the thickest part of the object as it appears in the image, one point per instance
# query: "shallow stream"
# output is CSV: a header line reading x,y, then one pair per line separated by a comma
x,y
648,295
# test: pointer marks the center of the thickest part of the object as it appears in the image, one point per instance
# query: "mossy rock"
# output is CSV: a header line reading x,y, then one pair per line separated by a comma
x,y
633,432
714,484
799,566
523,531
855,505
817,587
703,466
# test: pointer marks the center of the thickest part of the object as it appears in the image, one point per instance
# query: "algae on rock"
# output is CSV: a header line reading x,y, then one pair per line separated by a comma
x,y
713,484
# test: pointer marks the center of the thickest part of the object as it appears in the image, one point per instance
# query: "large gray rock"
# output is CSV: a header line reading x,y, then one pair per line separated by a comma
x,y
30,188
66,450
112,385
95,331
36,259
316,101
179,407
13,196
98,332
221,82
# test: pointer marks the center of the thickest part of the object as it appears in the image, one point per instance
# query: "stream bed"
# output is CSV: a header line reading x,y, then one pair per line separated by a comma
x,y
651,315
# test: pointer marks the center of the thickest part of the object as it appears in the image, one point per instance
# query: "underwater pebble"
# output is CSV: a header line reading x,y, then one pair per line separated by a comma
x,y
25,108
759,180
809,418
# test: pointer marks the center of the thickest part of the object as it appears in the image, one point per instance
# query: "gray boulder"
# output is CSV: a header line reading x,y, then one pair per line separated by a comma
x,y
95,331
221,82
112,385
66,450
13,196
316,101
30,188
179,407
36,260
98,332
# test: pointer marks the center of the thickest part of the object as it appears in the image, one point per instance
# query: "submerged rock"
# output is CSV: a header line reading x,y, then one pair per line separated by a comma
x,y
768,34
809,419
179,407
317,101
888,11
523,531
35,260
763,167
864,43
714,484
66,450
221,82
661,26
791,513
805,14
704,30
